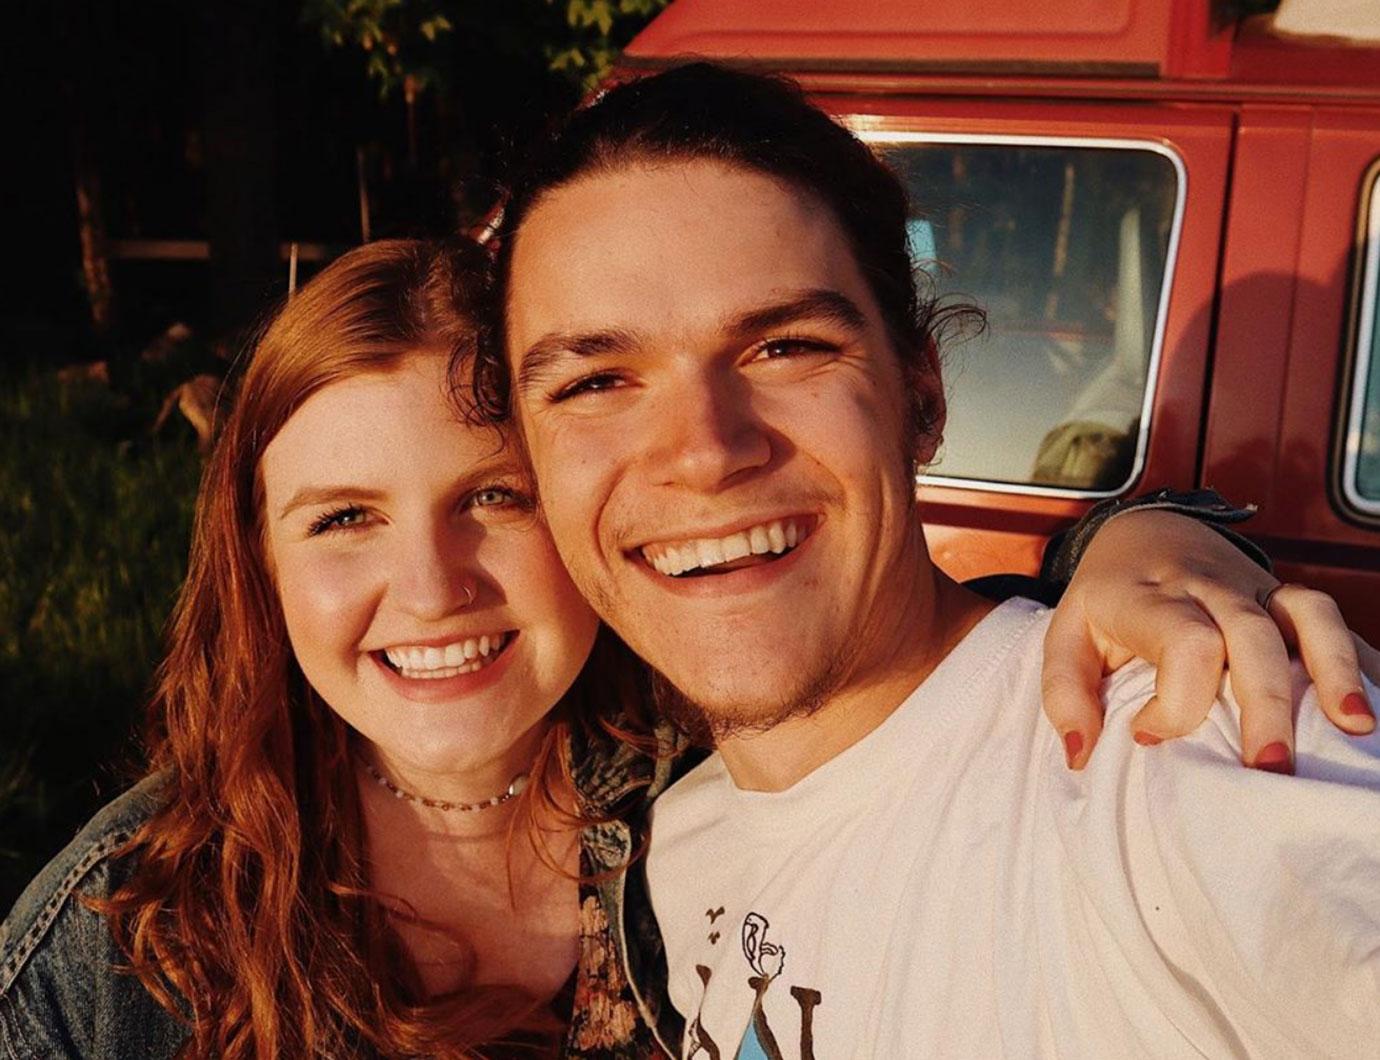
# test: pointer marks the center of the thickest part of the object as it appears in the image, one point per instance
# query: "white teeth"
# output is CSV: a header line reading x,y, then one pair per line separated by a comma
x,y
776,537
461,656
736,546
445,671
710,552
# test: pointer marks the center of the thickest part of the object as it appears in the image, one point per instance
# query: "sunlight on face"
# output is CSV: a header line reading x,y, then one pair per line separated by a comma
x,y
715,415
423,597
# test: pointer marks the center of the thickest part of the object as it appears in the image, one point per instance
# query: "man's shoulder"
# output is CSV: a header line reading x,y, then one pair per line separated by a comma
x,y
1239,877
1012,632
86,866
997,663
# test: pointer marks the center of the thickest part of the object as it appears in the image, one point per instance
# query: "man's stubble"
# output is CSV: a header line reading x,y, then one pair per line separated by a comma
x,y
706,725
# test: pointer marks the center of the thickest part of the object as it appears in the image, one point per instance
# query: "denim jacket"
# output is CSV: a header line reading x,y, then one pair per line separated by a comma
x,y
62,995
59,993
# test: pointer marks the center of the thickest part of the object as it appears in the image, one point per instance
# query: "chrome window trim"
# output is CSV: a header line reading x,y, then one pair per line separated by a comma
x,y
865,128
1369,293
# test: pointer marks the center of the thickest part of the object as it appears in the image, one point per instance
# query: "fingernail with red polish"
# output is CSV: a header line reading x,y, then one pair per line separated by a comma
x,y
1275,758
1355,705
1147,739
1073,745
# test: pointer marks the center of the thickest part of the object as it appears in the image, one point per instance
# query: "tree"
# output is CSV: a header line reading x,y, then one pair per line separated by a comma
x,y
80,78
403,47
598,32
399,39
434,52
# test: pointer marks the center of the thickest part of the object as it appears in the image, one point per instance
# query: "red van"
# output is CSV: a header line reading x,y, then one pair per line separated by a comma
x,y
1173,226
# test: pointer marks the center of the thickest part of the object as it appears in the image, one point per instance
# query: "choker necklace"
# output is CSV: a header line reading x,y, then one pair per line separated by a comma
x,y
514,789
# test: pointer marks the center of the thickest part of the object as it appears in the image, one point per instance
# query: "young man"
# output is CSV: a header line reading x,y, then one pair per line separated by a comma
x,y
725,382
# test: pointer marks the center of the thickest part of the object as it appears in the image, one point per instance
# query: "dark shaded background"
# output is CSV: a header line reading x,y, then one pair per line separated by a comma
x,y
245,124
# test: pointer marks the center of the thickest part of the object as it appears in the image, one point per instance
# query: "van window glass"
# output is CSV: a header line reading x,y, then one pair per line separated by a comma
x,y
1361,471
1065,244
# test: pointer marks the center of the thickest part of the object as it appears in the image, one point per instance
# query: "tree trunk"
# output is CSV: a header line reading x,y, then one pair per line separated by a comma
x,y
81,74
95,261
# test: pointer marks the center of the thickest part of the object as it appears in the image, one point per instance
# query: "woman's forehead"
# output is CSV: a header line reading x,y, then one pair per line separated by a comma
x,y
387,426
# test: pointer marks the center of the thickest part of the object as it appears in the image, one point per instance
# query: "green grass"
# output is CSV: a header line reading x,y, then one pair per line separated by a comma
x,y
94,519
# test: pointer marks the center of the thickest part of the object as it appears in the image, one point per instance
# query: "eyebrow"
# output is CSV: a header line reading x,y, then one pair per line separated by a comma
x,y
310,496
549,349
819,303
502,461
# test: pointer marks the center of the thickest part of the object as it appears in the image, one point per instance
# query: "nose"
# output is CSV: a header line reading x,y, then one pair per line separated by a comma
x,y
708,435
434,574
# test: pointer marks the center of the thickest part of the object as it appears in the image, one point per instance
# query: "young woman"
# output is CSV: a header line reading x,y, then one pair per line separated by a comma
x,y
394,764
360,832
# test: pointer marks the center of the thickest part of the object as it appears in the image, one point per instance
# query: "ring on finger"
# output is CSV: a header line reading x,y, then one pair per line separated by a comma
x,y
1264,597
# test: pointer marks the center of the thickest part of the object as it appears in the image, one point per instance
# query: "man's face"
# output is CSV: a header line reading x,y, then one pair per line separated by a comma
x,y
715,416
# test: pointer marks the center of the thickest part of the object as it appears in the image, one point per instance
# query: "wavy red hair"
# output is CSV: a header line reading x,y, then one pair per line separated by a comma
x,y
249,912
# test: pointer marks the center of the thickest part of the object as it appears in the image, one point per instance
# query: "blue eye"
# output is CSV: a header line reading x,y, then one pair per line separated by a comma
x,y
491,496
498,498
339,519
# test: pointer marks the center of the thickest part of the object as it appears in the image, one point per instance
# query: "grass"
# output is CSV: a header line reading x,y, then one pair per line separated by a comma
x,y
94,520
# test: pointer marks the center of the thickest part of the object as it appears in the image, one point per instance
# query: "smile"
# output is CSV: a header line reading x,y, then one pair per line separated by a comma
x,y
434,662
753,545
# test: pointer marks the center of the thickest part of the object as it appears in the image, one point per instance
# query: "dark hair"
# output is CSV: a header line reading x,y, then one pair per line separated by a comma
x,y
764,123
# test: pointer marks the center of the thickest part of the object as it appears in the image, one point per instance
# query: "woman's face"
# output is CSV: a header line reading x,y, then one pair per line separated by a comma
x,y
423,597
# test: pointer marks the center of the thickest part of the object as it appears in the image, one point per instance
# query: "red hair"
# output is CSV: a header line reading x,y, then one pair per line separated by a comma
x,y
249,910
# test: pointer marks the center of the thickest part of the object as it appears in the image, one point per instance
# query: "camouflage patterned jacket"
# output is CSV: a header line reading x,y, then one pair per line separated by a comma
x,y
620,989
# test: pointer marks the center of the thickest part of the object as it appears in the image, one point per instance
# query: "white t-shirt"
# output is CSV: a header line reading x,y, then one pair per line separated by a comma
x,y
946,887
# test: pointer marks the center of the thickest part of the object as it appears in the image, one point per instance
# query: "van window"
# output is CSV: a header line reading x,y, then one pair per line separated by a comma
x,y
1067,245
1361,460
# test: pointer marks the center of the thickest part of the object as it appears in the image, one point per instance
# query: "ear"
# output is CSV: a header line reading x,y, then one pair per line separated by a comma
x,y
930,407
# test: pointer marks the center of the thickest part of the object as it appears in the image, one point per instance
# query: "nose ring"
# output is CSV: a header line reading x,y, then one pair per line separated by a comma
x,y
469,597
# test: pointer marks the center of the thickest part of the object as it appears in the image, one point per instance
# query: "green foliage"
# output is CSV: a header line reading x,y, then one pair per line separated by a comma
x,y
599,30
399,38
403,42
96,516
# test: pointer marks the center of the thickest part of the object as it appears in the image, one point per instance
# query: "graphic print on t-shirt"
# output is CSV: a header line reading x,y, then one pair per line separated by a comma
x,y
767,960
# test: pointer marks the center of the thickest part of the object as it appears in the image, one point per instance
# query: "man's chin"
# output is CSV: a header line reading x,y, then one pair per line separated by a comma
x,y
708,716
